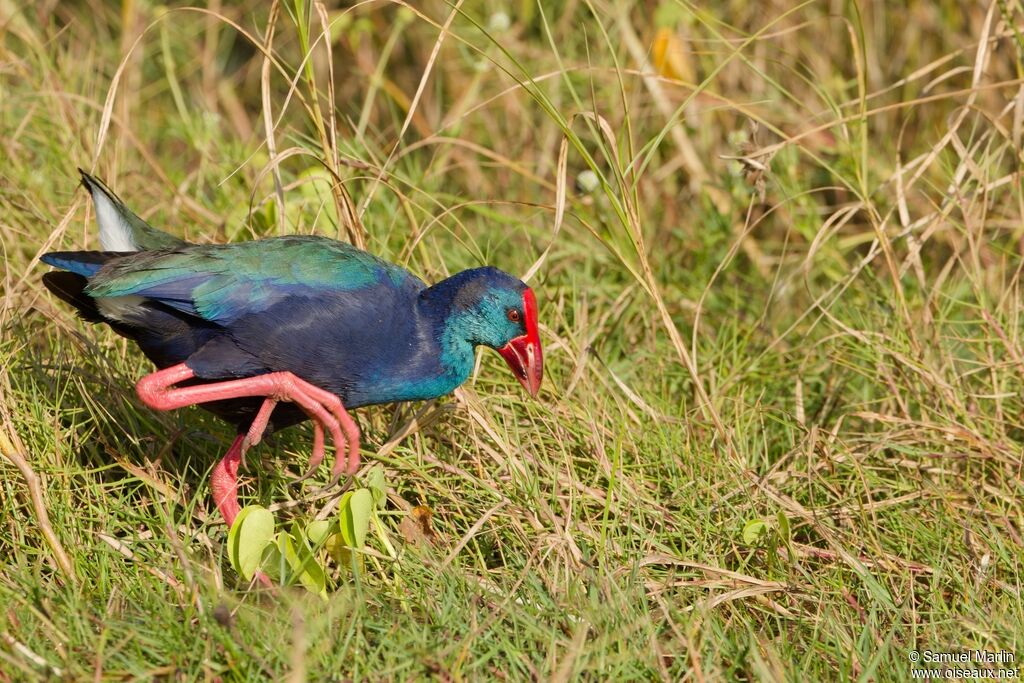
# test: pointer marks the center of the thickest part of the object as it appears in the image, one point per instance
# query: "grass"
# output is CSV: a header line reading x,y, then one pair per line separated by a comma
x,y
777,248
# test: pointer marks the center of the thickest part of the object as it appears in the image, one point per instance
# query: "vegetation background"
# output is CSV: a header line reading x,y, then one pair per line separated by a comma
x,y
778,248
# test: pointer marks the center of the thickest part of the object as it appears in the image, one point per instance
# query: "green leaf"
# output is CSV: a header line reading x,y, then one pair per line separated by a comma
x,y
784,532
318,531
286,553
303,565
343,508
233,535
336,549
310,572
377,484
354,513
272,563
753,531
252,531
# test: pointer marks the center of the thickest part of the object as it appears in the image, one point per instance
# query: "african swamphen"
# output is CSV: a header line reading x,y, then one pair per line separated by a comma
x,y
268,333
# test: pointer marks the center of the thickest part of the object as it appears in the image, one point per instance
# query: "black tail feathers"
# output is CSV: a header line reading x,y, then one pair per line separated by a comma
x,y
70,288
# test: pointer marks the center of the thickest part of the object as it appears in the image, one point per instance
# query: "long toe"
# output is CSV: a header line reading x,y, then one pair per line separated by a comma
x,y
318,453
316,411
260,422
348,426
335,478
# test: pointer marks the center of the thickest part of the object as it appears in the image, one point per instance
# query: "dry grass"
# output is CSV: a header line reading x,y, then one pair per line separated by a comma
x,y
778,247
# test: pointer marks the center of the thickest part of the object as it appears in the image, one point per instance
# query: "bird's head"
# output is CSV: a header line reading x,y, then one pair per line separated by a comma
x,y
491,308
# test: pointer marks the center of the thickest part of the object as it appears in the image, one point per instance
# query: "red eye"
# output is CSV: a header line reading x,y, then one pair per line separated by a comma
x,y
513,315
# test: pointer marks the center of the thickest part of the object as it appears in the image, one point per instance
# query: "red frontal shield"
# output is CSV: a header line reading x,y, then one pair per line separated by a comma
x,y
523,354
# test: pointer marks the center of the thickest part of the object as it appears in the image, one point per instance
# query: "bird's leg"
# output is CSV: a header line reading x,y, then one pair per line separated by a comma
x,y
157,391
224,482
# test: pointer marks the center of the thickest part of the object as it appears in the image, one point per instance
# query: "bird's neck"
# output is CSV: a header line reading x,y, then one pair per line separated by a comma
x,y
449,321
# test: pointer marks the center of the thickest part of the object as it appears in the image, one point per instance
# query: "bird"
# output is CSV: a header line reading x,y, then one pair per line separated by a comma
x,y
268,333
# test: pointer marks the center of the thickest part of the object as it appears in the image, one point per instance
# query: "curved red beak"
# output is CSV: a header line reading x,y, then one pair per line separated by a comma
x,y
523,354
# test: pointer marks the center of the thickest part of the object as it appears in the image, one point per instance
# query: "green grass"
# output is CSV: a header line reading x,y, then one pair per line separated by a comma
x,y
826,337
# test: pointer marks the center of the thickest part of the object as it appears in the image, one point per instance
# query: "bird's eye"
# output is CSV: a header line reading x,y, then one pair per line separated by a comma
x,y
513,315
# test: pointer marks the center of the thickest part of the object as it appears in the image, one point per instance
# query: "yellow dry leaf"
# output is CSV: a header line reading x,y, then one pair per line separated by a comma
x,y
669,58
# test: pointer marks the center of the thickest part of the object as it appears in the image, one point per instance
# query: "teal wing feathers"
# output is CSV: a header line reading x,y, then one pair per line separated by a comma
x,y
221,283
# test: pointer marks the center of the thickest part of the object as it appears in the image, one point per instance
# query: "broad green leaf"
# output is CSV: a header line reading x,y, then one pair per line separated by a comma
x,y
337,550
318,531
285,551
354,514
344,514
233,535
252,531
753,531
303,566
272,563
376,483
783,527
309,570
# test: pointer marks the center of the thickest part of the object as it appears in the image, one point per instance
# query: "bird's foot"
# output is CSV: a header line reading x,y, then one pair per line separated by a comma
x,y
327,414
260,422
258,427
336,418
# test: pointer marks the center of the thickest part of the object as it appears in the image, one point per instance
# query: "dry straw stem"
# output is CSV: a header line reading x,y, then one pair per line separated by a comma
x,y
435,50
268,113
12,449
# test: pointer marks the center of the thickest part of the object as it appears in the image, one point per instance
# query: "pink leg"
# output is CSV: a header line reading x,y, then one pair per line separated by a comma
x,y
224,482
258,426
326,410
158,392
